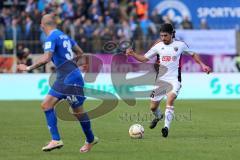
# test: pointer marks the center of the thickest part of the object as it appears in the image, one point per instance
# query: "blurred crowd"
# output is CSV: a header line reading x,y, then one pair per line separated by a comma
x,y
91,23
87,21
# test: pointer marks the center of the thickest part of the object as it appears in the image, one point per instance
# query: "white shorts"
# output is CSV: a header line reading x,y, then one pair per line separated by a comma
x,y
164,87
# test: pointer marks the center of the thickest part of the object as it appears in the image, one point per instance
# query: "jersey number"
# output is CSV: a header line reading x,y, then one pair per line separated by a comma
x,y
68,46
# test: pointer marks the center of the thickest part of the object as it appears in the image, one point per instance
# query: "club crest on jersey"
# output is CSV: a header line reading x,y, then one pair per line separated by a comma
x,y
174,58
175,49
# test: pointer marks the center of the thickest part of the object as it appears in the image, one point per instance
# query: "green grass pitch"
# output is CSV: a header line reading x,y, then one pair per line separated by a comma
x,y
206,129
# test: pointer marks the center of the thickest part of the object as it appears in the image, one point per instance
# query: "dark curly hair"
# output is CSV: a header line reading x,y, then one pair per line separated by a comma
x,y
167,27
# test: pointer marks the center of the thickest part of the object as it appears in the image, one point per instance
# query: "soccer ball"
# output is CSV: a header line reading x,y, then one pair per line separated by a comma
x,y
136,131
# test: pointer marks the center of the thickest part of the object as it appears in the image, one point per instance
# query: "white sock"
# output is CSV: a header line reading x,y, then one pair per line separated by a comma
x,y
157,113
169,115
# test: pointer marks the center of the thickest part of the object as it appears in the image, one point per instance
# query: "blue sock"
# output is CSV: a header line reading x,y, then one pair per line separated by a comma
x,y
86,127
52,124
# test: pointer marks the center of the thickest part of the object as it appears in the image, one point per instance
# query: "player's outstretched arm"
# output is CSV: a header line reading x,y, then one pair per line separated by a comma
x,y
78,51
204,67
45,58
141,58
80,60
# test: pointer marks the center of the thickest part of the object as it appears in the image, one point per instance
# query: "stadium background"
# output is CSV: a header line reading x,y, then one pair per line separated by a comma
x,y
210,28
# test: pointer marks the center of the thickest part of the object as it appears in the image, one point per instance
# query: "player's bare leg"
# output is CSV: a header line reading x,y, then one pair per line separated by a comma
x,y
49,102
169,113
154,106
79,114
48,107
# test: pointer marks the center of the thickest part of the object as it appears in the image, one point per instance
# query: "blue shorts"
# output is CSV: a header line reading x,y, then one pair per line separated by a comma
x,y
74,100
69,88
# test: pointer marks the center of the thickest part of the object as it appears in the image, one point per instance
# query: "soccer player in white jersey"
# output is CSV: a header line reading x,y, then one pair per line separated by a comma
x,y
169,52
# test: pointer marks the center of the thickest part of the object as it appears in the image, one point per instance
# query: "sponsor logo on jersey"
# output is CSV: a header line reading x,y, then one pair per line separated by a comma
x,y
166,58
169,58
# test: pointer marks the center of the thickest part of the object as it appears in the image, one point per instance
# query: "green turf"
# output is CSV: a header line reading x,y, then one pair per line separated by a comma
x,y
201,130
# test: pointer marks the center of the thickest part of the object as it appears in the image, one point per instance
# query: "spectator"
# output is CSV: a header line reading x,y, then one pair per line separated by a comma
x,y
6,15
81,38
37,17
93,4
23,57
100,24
203,24
79,8
156,17
13,30
124,31
152,31
31,5
15,12
28,28
94,15
145,25
133,23
114,12
186,23
88,28
41,5
99,28
168,19
109,31
141,8
68,27
131,9
67,9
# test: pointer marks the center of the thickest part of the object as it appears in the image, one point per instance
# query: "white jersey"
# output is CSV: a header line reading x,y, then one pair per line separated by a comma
x,y
170,57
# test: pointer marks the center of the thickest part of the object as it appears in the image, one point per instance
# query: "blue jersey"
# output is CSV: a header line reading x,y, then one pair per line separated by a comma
x,y
60,45
69,82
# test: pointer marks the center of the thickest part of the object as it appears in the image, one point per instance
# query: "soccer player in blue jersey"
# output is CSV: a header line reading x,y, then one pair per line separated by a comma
x,y
60,49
